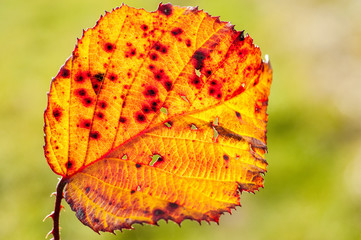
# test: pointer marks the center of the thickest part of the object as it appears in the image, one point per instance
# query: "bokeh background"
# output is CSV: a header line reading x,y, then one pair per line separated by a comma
x,y
313,185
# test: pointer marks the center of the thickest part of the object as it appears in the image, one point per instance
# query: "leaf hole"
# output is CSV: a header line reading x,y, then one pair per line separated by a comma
x,y
164,110
185,98
155,158
125,157
194,127
215,122
198,72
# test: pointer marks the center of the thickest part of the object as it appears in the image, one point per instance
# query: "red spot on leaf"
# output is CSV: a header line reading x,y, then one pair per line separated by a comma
x,y
150,92
65,73
109,47
177,31
94,135
85,123
140,117
57,113
166,9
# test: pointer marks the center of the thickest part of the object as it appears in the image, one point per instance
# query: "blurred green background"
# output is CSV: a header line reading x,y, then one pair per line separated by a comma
x,y
313,185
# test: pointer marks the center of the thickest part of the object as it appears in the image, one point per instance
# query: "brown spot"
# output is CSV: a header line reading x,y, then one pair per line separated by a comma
x,y
94,134
238,115
166,9
85,123
158,212
81,92
145,109
87,189
225,157
160,48
150,91
168,85
65,73
122,119
109,47
153,56
69,164
140,117
57,113
172,206
257,108
176,31
199,56
241,36
144,27
113,77
87,101
100,115
103,104
197,82
80,77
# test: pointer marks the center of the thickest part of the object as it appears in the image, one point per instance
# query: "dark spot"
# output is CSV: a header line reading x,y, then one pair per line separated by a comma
x,y
81,92
160,48
133,52
85,123
256,82
158,212
87,101
99,77
213,82
140,117
225,157
100,115
137,165
166,9
65,73
199,57
172,206
109,47
122,119
69,165
257,108
87,189
188,43
154,56
176,31
241,36
208,73
103,104
57,113
80,77
145,109
154,105
196,81
132,191
150,91
96,220
219,95
94,134
211,91
144,27
113,77
168,85
151,66
238,115
80,214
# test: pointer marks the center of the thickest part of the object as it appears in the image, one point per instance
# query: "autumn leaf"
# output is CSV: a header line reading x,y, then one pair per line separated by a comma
x,y
157,115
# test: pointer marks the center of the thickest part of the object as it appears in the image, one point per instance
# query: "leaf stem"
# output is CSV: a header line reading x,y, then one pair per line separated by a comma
x,y
56,213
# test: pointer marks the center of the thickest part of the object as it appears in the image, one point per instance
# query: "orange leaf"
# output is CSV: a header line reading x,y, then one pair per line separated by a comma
x,y
158,115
